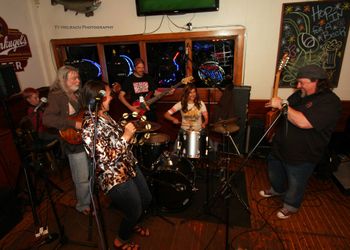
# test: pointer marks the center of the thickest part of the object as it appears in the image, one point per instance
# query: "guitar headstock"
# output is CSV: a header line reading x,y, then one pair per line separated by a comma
x,y
187,79
284,61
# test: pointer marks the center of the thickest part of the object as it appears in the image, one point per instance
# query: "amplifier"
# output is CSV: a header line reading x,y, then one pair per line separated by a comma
x,y
342,177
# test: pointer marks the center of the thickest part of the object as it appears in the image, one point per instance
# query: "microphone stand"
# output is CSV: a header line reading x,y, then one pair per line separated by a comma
x,y
223,189
100,229
24,157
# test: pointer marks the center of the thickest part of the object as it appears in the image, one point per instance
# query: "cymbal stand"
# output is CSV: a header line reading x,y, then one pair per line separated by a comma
x,y
226,187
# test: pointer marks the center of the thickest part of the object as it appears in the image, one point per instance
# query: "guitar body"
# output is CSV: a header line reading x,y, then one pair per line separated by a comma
x,y
270,118
73,135
141,106
148,100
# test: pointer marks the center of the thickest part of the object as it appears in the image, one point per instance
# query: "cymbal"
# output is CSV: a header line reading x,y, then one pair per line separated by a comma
x,y
144,126
233,119
225,126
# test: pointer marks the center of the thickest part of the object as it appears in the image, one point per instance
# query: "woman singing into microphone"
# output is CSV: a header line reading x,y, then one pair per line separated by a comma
x,y
116,167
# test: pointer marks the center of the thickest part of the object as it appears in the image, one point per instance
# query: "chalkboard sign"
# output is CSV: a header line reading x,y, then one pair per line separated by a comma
x,y
313,33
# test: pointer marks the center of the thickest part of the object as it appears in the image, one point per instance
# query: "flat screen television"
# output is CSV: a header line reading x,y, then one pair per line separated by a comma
x,y
173,7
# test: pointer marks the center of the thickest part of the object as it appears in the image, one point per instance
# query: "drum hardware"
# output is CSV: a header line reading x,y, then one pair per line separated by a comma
x,y
151,149
173,182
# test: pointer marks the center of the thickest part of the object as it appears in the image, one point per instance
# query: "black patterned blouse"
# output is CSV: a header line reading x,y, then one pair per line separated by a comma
x,y
114,158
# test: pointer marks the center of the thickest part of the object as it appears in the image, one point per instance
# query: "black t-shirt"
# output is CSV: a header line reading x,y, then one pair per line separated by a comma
x,y
134,87
295,145
138,86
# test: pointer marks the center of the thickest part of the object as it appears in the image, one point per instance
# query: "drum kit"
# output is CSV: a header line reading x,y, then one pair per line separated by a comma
x,y
171,175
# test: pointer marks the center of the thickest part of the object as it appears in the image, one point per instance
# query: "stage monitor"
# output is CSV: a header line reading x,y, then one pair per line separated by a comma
x,y
173,7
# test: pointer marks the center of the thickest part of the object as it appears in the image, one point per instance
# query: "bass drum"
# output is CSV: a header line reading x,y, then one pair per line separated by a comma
x,y
173,183
152,149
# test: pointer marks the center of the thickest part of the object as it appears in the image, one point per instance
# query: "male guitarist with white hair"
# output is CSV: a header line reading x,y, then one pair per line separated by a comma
x,y
62,107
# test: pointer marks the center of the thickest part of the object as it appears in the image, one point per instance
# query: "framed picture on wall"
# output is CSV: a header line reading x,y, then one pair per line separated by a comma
x,y
313,33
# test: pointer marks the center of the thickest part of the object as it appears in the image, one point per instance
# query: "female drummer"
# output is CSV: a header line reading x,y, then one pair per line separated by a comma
x,y
194,115
116,170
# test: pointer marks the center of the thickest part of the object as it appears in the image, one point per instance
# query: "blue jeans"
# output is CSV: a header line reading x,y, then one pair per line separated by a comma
x,y
132,198
289,181
79,167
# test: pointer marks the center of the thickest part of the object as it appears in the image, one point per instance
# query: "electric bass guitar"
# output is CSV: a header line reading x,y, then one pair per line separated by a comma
x,y
142,105
73,135
273,113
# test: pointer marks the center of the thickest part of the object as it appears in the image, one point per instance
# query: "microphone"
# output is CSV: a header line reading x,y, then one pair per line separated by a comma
x,y
98,98
43,100
284,109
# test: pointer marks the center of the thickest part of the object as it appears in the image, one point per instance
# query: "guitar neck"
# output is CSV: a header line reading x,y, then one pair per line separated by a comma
x,y
276,85
156,98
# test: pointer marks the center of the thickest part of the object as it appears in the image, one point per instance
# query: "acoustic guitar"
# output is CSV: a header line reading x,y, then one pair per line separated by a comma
x,y
273,113
142,105
73,135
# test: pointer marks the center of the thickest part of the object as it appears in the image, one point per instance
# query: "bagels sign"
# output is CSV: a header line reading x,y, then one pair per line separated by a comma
x,y
14,47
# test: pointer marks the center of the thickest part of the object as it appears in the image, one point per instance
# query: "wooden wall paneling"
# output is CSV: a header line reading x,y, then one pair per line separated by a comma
x,y
102,61
238,58
188,52
143,53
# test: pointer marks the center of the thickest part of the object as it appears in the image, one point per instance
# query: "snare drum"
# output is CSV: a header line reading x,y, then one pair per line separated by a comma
x,y
152,149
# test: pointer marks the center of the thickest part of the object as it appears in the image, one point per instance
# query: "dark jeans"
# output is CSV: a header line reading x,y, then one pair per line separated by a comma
x,y
289,181
132,198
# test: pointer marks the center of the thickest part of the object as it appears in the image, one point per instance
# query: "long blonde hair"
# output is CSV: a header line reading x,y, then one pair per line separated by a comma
x,y
61,78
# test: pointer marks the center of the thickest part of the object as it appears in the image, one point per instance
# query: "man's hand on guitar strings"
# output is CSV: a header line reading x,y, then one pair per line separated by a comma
x,y
275,102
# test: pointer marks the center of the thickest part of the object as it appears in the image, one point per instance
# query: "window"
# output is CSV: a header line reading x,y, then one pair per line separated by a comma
x,y
168,57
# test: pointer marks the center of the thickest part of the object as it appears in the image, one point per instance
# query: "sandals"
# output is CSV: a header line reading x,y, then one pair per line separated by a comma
x,y
126,246
142,231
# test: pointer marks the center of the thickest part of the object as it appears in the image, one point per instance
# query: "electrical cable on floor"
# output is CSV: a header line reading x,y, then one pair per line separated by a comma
x,y
266,223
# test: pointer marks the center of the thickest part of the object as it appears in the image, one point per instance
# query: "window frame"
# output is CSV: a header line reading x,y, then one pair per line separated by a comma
x,y
237,34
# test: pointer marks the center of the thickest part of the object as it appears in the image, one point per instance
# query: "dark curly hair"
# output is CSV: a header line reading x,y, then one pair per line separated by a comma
x,y
90,91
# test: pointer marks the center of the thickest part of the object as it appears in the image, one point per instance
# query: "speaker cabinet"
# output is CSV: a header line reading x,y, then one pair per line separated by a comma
x,y
8,81
234,103
342,177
